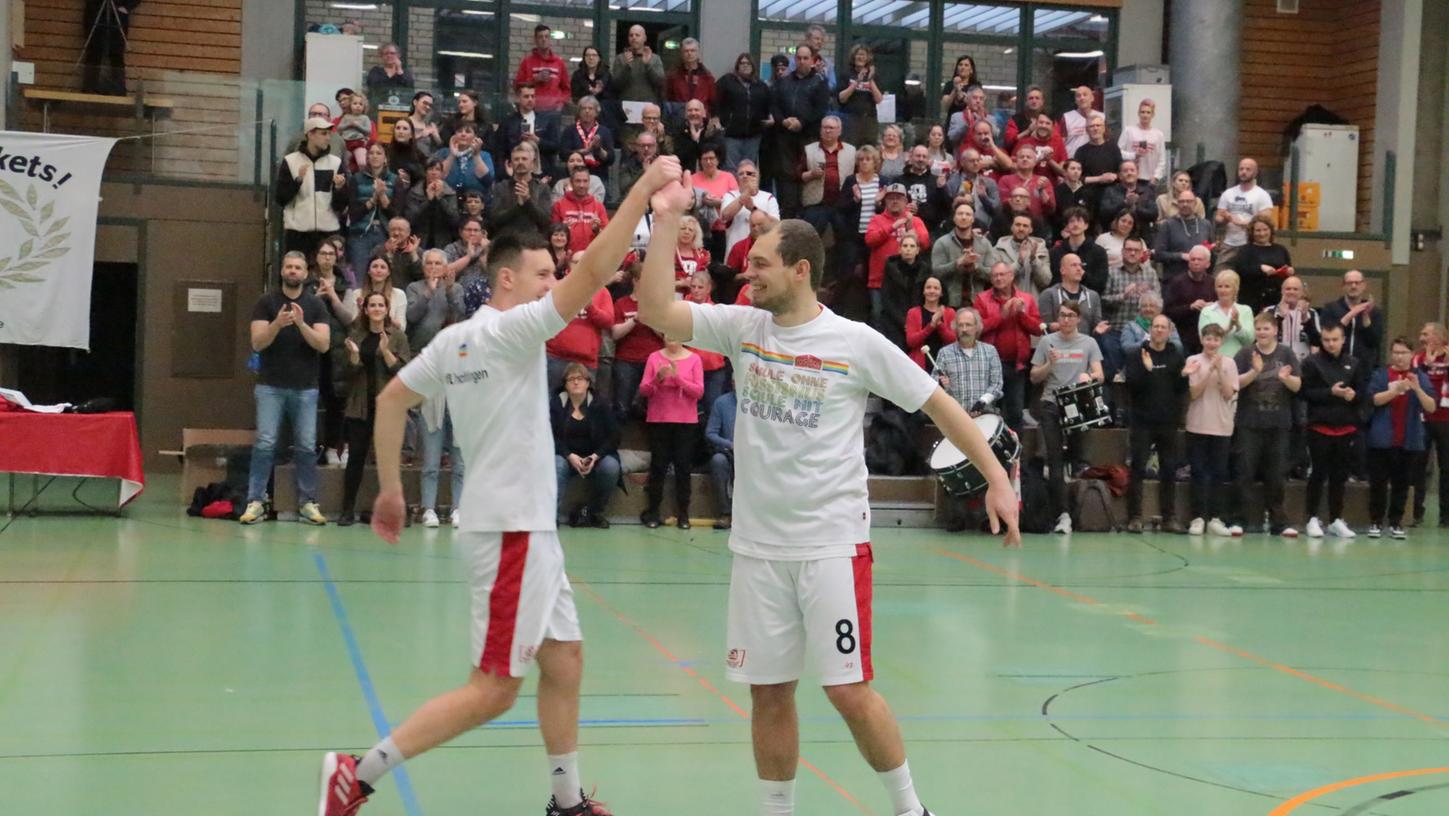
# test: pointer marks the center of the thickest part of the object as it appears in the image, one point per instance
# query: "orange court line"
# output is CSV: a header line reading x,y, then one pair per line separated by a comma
x,y
1303,798
711,688
1209,642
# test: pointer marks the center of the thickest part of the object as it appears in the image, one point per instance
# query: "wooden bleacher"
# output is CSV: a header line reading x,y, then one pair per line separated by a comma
x,y
139,105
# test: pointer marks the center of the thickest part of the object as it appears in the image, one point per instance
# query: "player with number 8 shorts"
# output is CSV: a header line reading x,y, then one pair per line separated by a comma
x,y
800,587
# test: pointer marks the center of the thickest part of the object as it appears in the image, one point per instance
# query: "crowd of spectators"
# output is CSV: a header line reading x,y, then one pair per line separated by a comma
x,y
1014,253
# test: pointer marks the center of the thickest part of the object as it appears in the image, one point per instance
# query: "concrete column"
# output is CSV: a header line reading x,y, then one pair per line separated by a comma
x,y
1400,24
724,33
1204,53
1139,32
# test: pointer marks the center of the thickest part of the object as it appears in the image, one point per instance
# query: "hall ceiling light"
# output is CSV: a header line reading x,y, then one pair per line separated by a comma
x,y
354,6
1079,54
466,54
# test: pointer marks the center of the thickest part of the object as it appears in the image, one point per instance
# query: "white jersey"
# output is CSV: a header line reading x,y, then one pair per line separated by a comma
x,y
1240,203
800,477
1149,149
1074,131
492,370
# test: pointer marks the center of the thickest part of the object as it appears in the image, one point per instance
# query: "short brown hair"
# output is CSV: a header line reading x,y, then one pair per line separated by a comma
x,y
1069,306
1213,330
800,242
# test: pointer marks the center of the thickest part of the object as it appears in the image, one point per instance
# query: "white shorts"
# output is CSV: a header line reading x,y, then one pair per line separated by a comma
x,y
780,612
521,597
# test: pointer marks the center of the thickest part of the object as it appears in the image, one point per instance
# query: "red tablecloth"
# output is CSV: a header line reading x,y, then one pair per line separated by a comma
x,y
103,446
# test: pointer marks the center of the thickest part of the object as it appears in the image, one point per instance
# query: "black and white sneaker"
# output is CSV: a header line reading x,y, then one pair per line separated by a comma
x,y
1397,532
588,807
1374,531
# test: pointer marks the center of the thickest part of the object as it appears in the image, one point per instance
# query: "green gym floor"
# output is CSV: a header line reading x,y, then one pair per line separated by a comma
x,y
163,665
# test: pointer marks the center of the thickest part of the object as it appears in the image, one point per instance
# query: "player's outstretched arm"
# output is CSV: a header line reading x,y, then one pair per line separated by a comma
x,y
655,291
387,438
601,260
957,426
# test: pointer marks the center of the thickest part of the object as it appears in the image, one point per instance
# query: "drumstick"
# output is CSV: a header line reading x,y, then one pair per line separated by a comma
x,y
926,350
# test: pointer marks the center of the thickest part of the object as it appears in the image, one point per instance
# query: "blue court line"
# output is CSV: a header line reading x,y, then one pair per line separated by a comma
x,y
369,694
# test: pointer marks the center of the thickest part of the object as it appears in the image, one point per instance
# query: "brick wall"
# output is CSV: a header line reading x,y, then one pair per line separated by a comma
x,y
376,26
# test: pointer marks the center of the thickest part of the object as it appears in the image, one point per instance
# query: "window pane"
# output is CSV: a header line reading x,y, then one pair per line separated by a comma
x,y
1059,70
453,50
995,67
897,13
570,35
798,11
1066,24
652,5
982,18
779,40
373,19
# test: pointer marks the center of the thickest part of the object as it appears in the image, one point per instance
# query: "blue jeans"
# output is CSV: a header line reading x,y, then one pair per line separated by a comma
x,y
737,149
627,377
299,407
722,478
1112,357
433,459
601,481
360,247
714,386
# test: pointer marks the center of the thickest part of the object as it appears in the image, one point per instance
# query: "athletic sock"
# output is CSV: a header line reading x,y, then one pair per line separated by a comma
x,y
777,798
563,772
902,791
383,757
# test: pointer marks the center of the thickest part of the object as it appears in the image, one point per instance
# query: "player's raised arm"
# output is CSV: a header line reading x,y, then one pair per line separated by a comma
x,y
603,256
655,291
957,426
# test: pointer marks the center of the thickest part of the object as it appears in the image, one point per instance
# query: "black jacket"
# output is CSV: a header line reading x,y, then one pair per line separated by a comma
x,y
1360,340
1094,263
933,203
743,106
510,133
1156,394
805,99
603,430
1320,373
570,141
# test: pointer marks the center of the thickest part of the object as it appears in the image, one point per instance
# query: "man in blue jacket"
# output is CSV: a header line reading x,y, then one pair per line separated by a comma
x,y
720,433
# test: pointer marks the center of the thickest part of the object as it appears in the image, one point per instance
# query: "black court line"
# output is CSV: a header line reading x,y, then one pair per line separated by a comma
x,y
1363,807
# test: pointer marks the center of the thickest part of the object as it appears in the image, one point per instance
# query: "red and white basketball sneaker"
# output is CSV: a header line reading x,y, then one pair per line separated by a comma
x,y
342,792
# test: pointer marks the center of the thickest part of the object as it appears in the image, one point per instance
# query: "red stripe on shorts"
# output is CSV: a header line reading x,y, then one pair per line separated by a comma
x,y
861,565
503,606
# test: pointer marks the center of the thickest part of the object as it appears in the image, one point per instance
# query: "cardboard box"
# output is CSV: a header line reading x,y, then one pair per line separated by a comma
x,y
204,454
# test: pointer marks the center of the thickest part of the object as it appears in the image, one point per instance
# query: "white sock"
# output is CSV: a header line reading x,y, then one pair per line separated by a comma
x,y
563,772
777,798
383,757
902,791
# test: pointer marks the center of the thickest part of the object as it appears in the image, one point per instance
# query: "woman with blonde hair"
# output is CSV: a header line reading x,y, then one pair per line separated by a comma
x,y
1166,201
1235,318
690,256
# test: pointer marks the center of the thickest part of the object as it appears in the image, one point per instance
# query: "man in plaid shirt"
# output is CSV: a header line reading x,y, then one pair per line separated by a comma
x,y
970,371
1122,300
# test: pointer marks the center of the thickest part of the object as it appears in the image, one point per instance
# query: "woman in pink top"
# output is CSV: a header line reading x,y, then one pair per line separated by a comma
x,y
1212,383
673,383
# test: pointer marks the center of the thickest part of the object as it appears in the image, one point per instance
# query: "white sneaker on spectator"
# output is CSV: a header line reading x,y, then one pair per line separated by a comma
x,y
1397,532
455,518
333,459
1064,524
1315,528
1217,528
1374,531
1342,530
1289,532
1235,530
1195,526
430,518
342,459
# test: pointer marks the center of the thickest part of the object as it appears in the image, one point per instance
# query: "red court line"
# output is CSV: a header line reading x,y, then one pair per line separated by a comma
x,y
1304,798
1209,642
710,687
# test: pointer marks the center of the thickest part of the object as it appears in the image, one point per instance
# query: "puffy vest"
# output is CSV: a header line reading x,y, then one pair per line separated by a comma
x,y
311,210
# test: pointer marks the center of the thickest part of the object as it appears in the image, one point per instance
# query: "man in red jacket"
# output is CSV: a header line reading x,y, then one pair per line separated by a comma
x,y
689,80
583,214
580,340
883,237
545,72
1051,150
1009,320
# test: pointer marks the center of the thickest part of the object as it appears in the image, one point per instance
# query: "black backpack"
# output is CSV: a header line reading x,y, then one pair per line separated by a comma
x,y
1092,507
1036,505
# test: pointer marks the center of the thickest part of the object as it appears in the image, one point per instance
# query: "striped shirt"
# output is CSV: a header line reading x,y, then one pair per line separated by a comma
x,y
972,373
868,192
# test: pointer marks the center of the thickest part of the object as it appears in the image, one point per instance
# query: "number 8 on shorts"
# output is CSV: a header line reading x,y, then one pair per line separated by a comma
x,y
783,613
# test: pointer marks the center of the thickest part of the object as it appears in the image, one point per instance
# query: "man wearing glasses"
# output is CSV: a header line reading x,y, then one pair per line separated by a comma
x,y
738,206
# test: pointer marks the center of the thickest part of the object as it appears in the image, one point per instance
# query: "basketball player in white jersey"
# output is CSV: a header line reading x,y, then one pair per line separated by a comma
x,y
800,587
491,368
